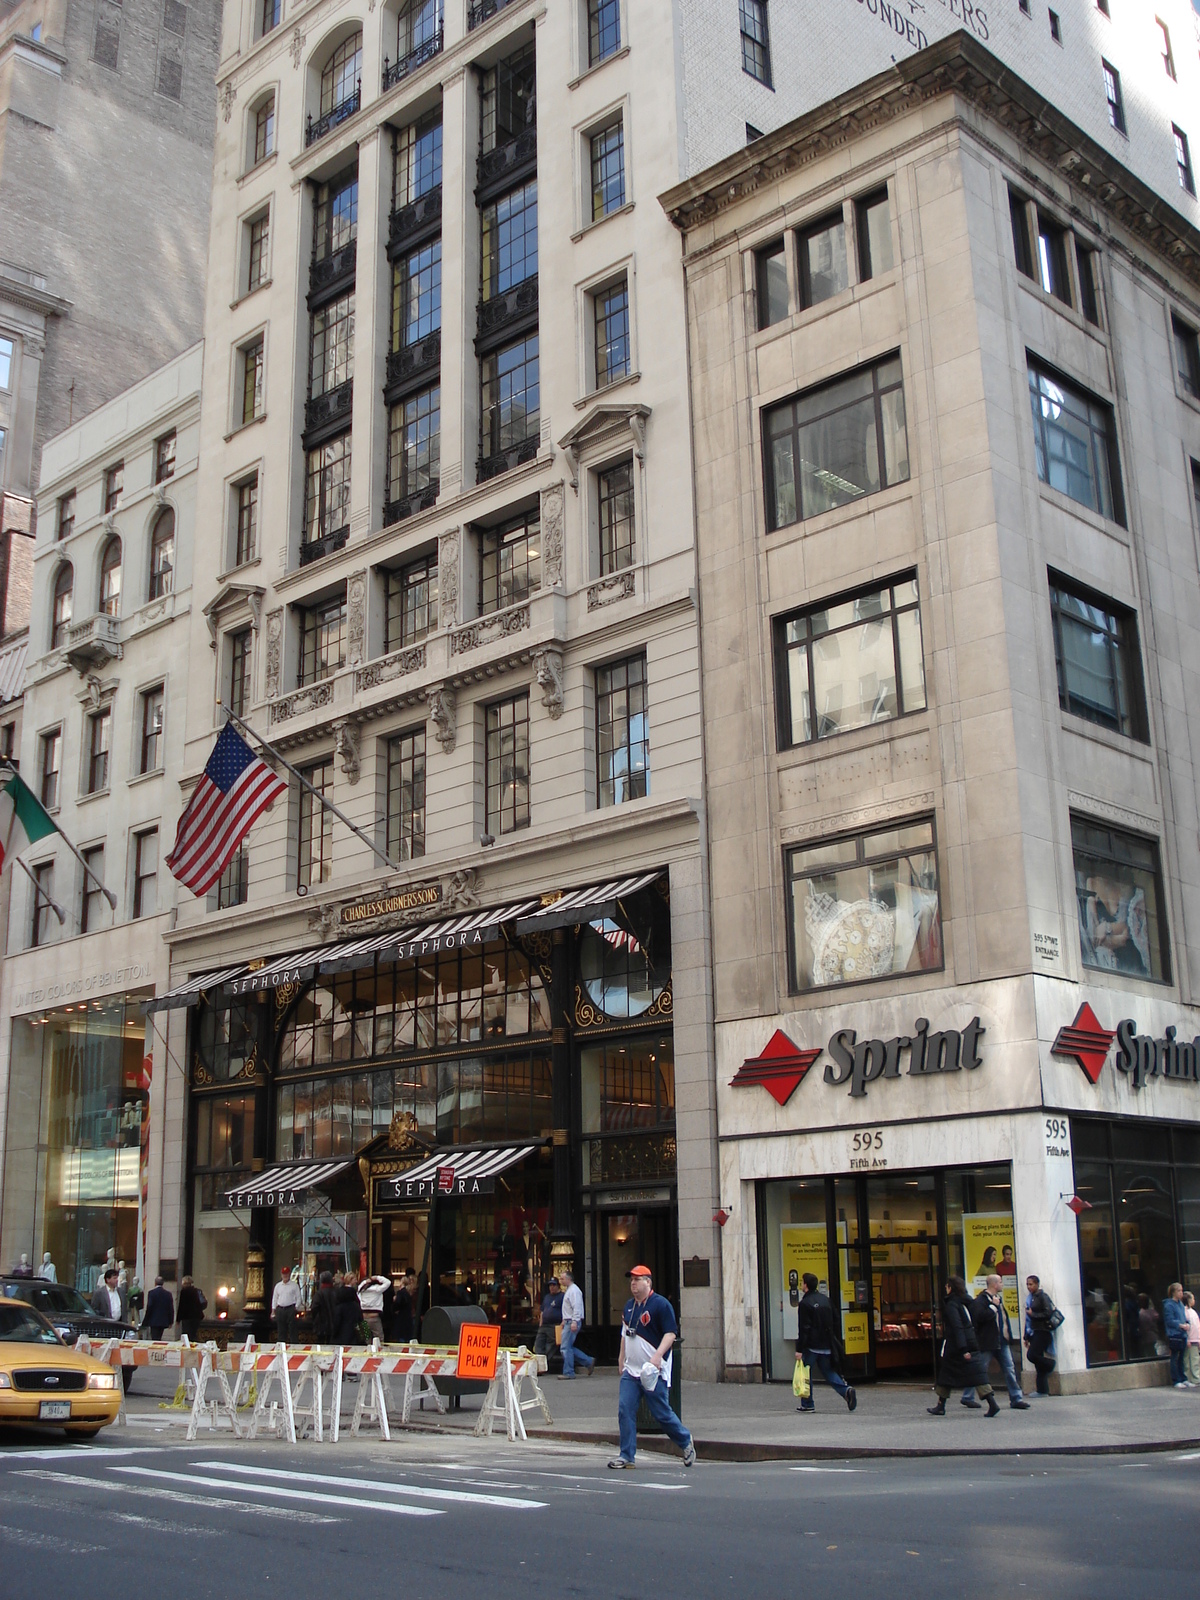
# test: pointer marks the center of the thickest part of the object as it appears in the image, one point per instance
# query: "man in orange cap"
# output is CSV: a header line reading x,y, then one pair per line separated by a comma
x,y
648,1330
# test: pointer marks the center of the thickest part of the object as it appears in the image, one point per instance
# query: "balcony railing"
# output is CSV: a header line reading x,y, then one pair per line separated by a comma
x,y
409,223
314,549
94,641
491,466
330,269
507,163
408,505
323,125
506,313
333,406
415,58
414,361
481,10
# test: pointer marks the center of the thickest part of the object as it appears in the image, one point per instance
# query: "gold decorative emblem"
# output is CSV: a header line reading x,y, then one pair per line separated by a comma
x,y
284,995
404,1131
200,1073
250,1064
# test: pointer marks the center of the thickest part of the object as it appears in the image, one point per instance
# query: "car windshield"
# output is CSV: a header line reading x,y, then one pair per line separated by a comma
x,y
49,1298
19,1325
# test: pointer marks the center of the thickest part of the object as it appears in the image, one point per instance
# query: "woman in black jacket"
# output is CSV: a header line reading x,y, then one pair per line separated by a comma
x,y
190,1309
324,1317
962,1366
347,1312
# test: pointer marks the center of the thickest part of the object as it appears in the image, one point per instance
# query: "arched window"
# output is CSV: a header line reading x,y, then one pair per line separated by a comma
x,y
110,579
162,555
64,588
339,81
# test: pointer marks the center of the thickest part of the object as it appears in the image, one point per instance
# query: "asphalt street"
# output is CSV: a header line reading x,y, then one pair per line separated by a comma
x,y
436,1518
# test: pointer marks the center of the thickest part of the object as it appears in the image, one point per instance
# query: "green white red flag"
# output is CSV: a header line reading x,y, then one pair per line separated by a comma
x,y
23,819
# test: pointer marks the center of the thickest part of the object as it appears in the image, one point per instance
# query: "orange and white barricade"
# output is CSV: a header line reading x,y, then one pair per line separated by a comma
x,y
184,1357
514,1369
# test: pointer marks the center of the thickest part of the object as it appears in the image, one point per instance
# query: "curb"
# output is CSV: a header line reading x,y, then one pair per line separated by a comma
x,y
727,1450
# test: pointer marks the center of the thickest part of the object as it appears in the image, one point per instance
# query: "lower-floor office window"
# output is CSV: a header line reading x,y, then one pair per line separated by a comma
x,y
410,602
414,452
614,514
510,397
622,732
327,489
91,909
1096,654
864,906
314,839
1075,442
406,795
233,884
1119,892
42,889
510,563
507,765
322,639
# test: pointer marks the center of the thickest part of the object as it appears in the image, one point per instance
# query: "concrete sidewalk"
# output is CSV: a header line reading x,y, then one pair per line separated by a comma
x,y
759,1422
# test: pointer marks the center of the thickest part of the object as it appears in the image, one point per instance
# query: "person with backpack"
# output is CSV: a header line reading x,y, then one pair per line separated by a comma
x,y
816,1341
1042,1317
962,1364
1175,1329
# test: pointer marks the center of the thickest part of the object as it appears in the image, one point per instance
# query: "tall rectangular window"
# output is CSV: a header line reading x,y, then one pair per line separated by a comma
x,y
1119,893
257,248
150,742
327,489
608,170
414,448
510,563
99,744
43,893
264,130
510,397
622,732
406,796
114,484
145,873
1183,159
411,603
1056,27
233,884
1187,355
1196,491
612,333
849,662
417,167
1052,259
1075,443
314,841
51,758
66,515
824,268
864,907
252,381
604,30
322,639
509,240
770,270
1096,655
417,295
240,648
508,100
246,539
7,347
1018,212
873,225
272,10
1087,262
506,778
614,508
335,217
332,351
1112,93
91,904
835,443
164,457
756,42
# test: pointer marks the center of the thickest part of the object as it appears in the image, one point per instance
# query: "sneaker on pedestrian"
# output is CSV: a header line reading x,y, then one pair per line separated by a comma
x,y
619,1464
689,1455
851,1399
1018,1405
806,1408
565,1377
1182,1385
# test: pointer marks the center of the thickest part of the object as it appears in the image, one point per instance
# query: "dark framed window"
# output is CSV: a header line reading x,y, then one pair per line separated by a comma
x,y
418,26
821,254
608,169
322,639
60,614
91,903
114,484
1187,355
1112,93
234,883
1052,259
406,796
873,225
43,894
1055,27
417,164
1196,491
508,99
245,546
851,661
162,555
622,732
110,578
509,240
510,563
341,75
604,30
327,489
150,742
99,744
314,837
66,515
611,307
510,396
331,360
264,130
506,764
1088,263
864,906
1018,213
272,10
1075,442
164,457
756,40
51,758
145,873
252,381
1119,892
417,295
241,645
1183,159
771,280
614,508
836,443
258,249
335,214
411,603
1097,658
414,444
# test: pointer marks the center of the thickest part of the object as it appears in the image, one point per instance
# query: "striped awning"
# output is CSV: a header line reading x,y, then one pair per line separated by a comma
x,y
283,1186
453,1173
470,1161
583,905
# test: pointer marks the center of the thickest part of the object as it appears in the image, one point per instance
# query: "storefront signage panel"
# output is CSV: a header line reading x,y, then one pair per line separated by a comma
x,y
407,950
860,1063
400,1191
1139,1057
422,897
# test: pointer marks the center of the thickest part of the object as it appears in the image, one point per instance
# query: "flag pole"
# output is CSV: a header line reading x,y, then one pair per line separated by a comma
x,y
40,893
103,888
316,793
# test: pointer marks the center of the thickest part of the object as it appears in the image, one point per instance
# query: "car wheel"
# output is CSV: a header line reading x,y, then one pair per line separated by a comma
x,y
82,1433
127,1378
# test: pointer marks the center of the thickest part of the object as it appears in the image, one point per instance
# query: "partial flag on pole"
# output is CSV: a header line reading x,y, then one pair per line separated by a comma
x,y
23,819
236,787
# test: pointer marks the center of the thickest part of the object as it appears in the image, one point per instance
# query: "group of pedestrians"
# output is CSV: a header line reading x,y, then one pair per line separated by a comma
x,y
1181,1324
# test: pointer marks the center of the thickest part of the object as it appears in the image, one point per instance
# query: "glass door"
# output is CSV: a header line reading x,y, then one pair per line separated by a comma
x,y
902,1216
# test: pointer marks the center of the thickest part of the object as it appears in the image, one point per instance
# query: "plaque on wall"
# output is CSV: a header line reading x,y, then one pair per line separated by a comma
x,y
421,897
696,1273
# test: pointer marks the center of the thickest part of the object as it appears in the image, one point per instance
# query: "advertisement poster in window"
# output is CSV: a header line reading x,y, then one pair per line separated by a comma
x,y
856,1335
325,1236
804,1249
989,1245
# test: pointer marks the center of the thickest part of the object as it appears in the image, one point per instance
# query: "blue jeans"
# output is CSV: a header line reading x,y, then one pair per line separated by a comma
x,y
822,1361
659,1401
569,1353
1011,1382
1178,1374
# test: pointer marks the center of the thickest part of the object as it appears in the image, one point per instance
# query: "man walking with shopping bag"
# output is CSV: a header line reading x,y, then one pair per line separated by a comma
x,y
648,1330
814,1344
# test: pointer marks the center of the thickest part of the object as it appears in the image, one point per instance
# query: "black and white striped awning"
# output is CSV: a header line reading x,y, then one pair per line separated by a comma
x,y
451,1173
283,1186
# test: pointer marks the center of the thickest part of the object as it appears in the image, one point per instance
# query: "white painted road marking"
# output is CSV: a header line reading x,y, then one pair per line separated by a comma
x,y
72,1452
208,1502
340,1501
824,1469
381,1486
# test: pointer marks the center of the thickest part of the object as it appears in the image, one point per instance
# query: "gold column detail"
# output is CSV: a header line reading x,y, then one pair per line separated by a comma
x,y
256,1289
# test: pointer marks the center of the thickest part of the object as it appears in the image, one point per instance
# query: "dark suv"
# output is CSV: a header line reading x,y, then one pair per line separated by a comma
x,y
68,1313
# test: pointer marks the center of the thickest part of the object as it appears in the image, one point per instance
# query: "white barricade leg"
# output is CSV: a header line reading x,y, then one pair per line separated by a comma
x,y
527,1374
418,1385
202,1377
270,1410
307,1400
495,1405
370,1407
335,1404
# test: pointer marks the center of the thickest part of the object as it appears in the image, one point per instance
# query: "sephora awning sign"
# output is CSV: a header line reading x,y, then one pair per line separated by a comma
x,y
859,1062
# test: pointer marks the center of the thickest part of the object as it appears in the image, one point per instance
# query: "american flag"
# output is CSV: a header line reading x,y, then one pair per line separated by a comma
x,y
237,785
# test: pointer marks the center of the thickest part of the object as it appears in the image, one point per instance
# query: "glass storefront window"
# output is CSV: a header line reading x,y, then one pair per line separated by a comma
x,y
225,1040
627,1094
625,959
796,1242
1102,1298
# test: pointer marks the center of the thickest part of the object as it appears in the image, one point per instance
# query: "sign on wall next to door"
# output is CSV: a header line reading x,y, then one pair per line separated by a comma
x,y
990,1246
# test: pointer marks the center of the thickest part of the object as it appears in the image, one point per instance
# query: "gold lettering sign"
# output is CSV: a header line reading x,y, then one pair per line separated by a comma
x,y
389,905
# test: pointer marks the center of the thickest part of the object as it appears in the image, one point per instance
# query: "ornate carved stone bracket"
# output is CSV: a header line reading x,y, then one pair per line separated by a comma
x,y
356,618
448,578
443,708
228,96
619,586
274,652
552,535
347,743
460,891
399,665
499,625
548,664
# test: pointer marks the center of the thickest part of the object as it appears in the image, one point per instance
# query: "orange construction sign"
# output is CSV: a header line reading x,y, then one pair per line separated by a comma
x,y
478,1346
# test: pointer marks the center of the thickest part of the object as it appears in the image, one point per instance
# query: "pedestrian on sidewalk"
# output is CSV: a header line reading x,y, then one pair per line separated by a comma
x,y
370,1298
285,1302
1176,1329
324,1311
403,1318
648,1330
994,1332
962,1365
1040,1313
347,1312
551,1317
160,1310
1191,1356
106,1297
815,1343
572,1320
190,1309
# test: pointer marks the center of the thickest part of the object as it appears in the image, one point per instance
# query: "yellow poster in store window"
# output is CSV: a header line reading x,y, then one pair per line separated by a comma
x,y
990,1246
805,1249
856,1335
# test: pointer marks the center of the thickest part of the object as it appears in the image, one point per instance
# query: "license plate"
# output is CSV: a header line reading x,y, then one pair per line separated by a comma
x,y
54,1411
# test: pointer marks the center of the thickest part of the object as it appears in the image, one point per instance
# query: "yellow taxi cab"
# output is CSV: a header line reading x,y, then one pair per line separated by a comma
x,y
44,1384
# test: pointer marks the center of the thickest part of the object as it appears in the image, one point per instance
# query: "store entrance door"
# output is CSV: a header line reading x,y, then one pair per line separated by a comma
x,y
902,1212
626,1239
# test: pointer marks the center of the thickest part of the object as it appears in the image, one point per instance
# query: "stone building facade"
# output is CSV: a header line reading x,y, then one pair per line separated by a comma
x,y
946,412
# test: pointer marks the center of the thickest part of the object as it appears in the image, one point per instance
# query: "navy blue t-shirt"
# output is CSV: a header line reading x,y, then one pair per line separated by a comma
x,y
651,1320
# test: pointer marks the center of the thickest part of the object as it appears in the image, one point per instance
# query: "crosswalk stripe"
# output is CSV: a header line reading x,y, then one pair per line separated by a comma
x,y
285,1494
417,1491
61,1453
207,1502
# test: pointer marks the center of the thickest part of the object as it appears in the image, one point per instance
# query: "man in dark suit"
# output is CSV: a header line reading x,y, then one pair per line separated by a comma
x,y
107,1299
160,1310
993,1329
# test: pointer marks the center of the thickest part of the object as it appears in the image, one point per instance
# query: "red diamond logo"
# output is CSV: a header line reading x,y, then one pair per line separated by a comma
x,y
779,1069
1086,1042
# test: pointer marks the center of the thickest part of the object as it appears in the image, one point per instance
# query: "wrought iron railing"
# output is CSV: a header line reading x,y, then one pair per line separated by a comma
x,y
408,505
323,125
334,405
314,549
480,10
424,213
503,311
414,360
491,466
503,164
415,58
325,270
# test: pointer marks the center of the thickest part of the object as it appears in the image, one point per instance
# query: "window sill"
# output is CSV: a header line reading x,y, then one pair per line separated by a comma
x,y
606,389
259,166
143,777
590,72
849,740
1141,749
96,794
232,573
242,426
598,222
1043,297
265,283
807,315
938,974
866,504
1190,400
1076,508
